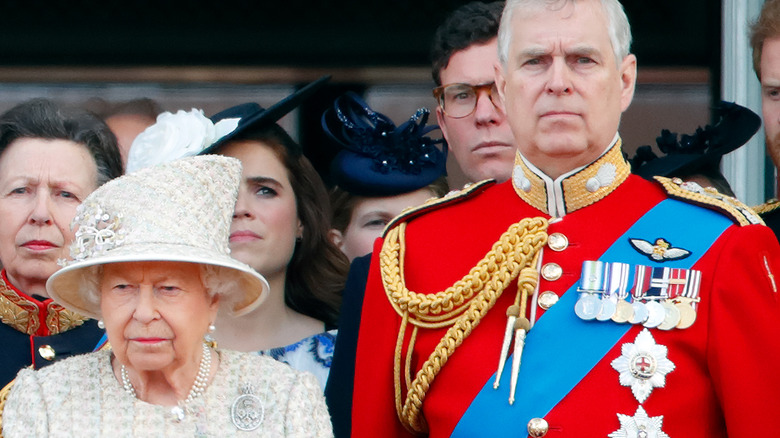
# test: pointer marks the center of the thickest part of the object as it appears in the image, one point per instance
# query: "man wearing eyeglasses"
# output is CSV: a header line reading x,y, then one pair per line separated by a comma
x,y
464,51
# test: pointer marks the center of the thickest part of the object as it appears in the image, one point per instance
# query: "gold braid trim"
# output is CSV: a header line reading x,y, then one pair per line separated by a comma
x,y
462,305
60,319
767,207
23,315
709,197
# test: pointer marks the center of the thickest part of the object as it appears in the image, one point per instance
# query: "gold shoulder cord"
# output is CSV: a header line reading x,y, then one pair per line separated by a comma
x,y
461,305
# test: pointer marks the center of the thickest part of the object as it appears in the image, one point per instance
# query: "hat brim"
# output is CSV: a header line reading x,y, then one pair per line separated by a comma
x,y
263,117
66,286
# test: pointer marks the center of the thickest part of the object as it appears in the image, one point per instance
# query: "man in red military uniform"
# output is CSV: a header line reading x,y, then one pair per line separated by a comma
x,y
575,299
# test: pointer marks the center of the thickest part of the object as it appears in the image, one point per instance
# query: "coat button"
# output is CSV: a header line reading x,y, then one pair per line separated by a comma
x,y
537,427
47,352
557,242
547,299
552,271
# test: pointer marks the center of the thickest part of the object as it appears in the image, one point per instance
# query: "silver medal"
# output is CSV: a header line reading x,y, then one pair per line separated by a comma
x,y
608,307
655,314
672,317
247,412
640,313
587,307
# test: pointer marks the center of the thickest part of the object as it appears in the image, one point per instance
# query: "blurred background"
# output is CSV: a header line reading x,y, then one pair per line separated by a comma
x,y
212,55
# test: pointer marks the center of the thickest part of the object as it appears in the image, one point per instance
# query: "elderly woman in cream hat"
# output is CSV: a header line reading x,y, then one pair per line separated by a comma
x,y
151,261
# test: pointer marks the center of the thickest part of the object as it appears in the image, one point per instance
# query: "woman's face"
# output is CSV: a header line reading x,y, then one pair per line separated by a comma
x,y
265,223
41,184
369,218
156,313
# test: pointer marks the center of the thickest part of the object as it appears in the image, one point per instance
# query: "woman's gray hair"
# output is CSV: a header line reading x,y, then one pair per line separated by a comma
x,y
42,118
217,280
617,25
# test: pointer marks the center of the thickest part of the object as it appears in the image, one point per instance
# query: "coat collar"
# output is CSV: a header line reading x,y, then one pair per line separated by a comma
x,y
35,318
574,190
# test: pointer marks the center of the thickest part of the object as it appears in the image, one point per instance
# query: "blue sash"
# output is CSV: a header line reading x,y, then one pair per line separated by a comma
x,y
561,348
101,342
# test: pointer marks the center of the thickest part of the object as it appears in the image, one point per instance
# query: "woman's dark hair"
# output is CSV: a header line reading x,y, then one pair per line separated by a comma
x,y
318,269
42,118
343,202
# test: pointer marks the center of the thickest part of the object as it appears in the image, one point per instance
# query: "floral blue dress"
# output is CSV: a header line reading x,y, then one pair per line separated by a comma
x,y
313,354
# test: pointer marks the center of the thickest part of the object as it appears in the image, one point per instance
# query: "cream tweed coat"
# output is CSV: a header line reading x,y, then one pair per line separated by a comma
x,y
81,397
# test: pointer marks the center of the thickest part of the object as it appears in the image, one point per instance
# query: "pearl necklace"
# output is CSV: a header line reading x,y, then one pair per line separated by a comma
x,y
201,379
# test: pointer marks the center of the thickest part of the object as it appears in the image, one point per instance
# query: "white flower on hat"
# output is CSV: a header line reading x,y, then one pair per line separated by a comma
x,y
174,136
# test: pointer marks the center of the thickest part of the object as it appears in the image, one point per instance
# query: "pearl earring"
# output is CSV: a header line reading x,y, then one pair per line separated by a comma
x,y
101,325
208,338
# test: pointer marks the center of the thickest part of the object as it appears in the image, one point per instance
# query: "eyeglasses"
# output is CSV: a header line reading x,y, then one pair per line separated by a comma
x,y
460,100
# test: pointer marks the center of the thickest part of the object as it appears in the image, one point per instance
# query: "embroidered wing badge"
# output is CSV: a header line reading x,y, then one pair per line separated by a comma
x,y
660,251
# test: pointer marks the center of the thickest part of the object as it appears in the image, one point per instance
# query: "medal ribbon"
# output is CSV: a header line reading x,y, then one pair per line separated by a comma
x,y
561,348
103,340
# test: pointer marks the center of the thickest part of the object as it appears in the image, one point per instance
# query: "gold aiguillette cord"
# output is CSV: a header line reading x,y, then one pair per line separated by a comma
x,y
517,326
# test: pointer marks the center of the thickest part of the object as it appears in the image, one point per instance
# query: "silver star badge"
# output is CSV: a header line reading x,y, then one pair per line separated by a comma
x,y
639,426
643,365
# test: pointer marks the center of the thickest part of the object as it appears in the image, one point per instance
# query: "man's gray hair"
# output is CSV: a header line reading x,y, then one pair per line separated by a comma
x,y
617,25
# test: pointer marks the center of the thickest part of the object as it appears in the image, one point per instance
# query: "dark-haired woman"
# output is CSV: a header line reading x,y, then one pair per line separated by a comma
x,y
280,228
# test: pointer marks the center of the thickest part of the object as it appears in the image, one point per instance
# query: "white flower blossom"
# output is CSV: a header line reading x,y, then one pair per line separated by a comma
x,y
174,136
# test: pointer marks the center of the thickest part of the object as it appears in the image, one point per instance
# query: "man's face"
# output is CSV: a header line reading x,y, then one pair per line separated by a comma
x,y
482,141
770,96
562,89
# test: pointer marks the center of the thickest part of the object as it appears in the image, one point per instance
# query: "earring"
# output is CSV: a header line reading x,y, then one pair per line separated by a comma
x,y
101,325
208,339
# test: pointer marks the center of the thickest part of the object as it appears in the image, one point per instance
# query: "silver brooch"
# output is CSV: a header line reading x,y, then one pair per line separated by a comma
x,y
247,412
98,231
643,365
639,426
178,413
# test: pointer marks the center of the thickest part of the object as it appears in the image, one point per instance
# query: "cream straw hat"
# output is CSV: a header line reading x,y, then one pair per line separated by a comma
x,y
178,211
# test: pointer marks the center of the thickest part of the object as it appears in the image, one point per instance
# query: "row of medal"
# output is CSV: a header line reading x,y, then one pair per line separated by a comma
x,y
656,297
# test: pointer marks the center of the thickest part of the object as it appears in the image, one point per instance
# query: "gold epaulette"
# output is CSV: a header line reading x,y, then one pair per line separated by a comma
x,y
767,207
710,198
452,197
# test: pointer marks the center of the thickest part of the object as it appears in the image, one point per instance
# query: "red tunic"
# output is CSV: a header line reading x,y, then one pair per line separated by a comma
x,y
725,379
